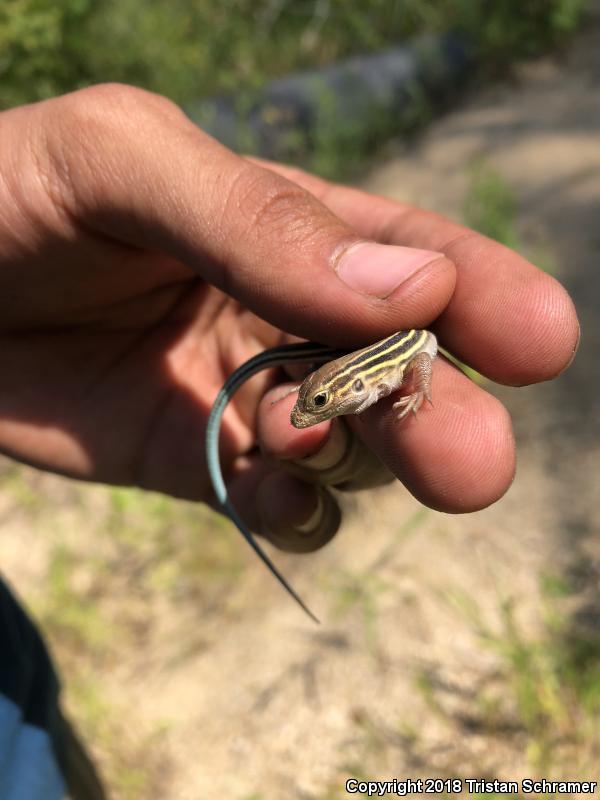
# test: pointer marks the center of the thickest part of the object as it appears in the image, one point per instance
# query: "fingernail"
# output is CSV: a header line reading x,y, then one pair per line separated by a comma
x,y
296,517
378,269
314,518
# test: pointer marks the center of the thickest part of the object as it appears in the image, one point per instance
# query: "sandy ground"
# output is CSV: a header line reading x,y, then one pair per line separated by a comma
x,y
258,703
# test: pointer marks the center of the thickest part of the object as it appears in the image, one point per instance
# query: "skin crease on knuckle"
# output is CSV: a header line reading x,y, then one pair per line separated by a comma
x,y
261,208
269,213
265,203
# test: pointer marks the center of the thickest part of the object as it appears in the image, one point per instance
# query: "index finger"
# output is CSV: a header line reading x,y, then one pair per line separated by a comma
x,y
506,318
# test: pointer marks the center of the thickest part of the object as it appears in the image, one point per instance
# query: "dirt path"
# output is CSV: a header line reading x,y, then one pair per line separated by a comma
x,y
250,701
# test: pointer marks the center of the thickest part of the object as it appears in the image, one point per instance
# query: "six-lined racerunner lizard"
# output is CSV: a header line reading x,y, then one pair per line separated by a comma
x,y
348,384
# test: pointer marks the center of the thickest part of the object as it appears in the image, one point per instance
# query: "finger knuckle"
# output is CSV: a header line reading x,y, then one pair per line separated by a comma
x,y
107,112
87,131
266,203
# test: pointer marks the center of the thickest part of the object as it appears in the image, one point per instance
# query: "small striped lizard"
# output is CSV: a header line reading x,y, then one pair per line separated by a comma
x,y
347,383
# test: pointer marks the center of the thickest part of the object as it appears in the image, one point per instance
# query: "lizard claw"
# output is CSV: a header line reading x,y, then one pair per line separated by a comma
x,y
421,369
411,402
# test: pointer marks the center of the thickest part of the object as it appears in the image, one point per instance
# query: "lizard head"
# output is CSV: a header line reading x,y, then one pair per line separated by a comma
x,y
325,394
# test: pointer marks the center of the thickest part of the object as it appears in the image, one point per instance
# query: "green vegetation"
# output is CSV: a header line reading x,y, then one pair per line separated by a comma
x,y
72,614
192,49
360,592
135,769
549,682
506,29
490,207
341,149
541,698
188,49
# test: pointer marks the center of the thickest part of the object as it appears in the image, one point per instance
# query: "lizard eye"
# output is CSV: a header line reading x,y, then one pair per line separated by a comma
x,y
358,385
320,399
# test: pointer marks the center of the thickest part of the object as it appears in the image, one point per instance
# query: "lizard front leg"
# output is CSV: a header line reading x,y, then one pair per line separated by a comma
x,y
420,371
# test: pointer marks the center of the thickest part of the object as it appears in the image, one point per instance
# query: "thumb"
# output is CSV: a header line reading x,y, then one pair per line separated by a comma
x,y
135,168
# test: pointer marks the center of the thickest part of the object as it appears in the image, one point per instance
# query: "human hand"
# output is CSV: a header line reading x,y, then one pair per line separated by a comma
x,y
141,262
